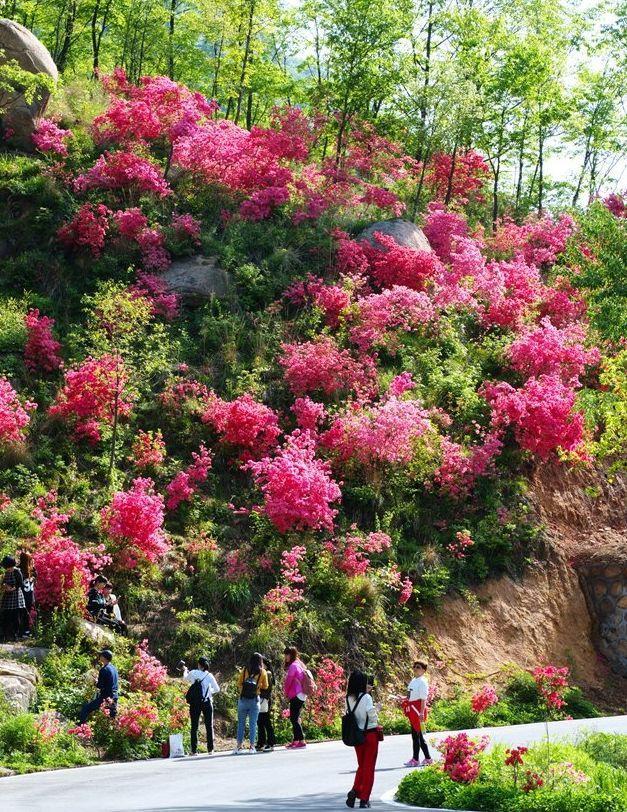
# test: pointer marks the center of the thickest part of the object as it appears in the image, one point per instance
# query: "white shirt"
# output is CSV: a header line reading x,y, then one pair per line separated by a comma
x,y
364,709
418,688
207,682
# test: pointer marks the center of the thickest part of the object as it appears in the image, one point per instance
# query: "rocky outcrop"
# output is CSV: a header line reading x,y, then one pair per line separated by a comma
x,y
99,635
22,651
18,683
404,233
198,277
19,115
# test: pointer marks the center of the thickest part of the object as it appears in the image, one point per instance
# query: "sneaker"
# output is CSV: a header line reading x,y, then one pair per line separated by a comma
x,y
251,751
364,804
290,746
412,763
299,745
268,749
427,762
351,798
238,751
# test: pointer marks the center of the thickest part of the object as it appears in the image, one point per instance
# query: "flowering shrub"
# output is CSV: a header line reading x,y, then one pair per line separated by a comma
x,y
309,414
393,264
616,204
125,171
457,177
186,227
48,726
350,553
60,562
462,543
14,414
383,433
186,483
540,240
134,523
137,722
148,674
541,412
244,423
552,683
443,229
460,757
298,489
548,350
320,366
49,137
90,395
484,699
460,466
87,229
42,349
397,308
326,703
331,299
148,449
83,733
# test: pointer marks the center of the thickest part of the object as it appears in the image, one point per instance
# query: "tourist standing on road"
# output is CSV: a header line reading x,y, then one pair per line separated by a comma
x,y
200,699
266,739
107,688
365,712
12,602
252,680
295,689
415,708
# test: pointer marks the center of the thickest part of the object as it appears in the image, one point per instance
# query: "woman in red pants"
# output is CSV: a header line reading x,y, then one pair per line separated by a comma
x,y
361,704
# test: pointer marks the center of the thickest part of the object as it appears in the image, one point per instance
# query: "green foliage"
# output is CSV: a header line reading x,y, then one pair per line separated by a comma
x,y
560,766
23,749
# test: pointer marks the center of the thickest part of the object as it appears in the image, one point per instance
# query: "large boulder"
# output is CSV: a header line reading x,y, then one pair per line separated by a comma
x,y
404,233
17,114
100,635
18,683
22,651
199,277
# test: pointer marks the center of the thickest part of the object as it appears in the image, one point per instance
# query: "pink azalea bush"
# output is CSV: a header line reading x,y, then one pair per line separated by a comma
x,y
321,366
549,350
552,683
148,449
41,351
186,483
87,229
542,413
49,137
486,698
297,487
134,523
460,757
123,171
61,563
351,552
90,394
14,414
328,700
147,674
244,423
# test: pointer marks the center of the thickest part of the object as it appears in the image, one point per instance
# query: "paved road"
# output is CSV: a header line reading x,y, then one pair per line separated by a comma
x,y
313,779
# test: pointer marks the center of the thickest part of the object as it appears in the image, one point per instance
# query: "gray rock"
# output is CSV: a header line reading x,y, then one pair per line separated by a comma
x,y
18,683
19,44
403,231
100,635
23,651
198,276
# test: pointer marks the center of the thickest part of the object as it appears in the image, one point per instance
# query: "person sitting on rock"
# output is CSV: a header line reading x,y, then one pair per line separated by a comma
x,y
97,605
112,607
107,685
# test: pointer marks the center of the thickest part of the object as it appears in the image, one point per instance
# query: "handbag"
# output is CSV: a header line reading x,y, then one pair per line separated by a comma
x,y
380,736
264,706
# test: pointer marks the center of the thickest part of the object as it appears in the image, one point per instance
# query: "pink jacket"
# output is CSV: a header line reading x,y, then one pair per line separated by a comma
x,y
293,683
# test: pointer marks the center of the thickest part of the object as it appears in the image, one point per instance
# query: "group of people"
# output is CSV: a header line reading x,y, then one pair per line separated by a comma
x,y
256,682
103,606
17,597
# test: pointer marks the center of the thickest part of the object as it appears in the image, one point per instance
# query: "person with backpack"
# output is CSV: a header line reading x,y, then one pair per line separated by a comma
x,y
199,697
251,681
297,686
360,729
266,739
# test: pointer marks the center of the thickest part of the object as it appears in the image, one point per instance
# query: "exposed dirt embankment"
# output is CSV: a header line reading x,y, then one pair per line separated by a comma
x,y
547,615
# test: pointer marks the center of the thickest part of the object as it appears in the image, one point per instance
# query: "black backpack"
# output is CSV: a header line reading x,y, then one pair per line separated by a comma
x,y
352,734
249,686
194,693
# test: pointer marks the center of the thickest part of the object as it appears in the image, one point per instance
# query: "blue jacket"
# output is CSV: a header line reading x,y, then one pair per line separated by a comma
x,y
108,681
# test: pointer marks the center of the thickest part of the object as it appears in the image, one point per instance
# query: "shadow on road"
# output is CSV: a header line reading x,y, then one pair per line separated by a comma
x,y
322,801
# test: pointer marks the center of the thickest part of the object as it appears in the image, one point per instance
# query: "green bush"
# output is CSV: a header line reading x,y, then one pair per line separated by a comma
x,y
607,749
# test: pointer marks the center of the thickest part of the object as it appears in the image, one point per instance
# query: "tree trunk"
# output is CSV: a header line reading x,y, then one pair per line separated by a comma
x,y
451,175
245,59
521,163
540,171
64,51
171,24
